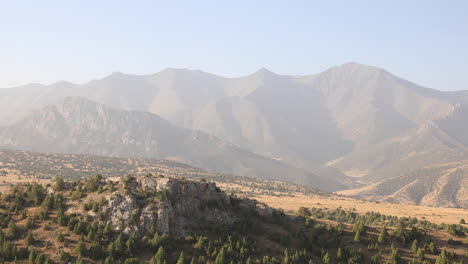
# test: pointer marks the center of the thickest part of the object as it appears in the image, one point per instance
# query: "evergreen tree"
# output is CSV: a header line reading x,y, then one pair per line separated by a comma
x,y
80,248
326,258
32,257
109,260
131,244
181,259
79,260
383,235
12,230
59,183
285,257
442,258
395,257
159,257
29,240
414,246
339,254
95,250
357,237
432,248
420,254
220,258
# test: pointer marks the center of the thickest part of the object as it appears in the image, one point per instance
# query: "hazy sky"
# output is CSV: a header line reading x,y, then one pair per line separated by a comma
x,y
47,41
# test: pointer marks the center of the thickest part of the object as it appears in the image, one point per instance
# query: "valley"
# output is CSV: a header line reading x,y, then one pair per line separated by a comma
x,y
233,132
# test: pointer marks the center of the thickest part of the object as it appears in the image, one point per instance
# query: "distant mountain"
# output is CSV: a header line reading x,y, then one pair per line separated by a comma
x,y
350,120
80,126
444,185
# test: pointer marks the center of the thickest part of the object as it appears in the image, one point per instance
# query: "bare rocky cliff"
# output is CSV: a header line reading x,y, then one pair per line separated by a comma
x,y
166,205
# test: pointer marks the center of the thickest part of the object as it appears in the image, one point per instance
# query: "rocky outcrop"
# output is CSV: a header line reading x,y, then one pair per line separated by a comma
x,y
175,206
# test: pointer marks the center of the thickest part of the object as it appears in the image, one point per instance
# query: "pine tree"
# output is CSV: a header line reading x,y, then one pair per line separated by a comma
x,y
442,258
60,237
432,248
357,237
109,260
181,259
80,248
95,250
159,257
64,257
220,258
131,244
12,230
414,246
395,256
326,258
339,255
420,254
29,240
59,183
285,257
110,186
383,235
32,257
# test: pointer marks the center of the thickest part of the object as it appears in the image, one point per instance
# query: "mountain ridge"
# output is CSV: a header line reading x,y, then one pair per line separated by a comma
x,y
82,126
349,120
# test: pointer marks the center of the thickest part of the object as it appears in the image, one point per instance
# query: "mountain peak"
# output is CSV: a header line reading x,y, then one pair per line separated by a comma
x,y
357,66
355,69
62,83
264,70
264,73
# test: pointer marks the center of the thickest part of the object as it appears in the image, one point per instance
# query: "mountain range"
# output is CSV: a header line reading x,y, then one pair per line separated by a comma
x,y
80,126
351,126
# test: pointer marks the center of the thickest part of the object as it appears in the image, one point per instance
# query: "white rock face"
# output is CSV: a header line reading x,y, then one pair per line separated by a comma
x,y
172,206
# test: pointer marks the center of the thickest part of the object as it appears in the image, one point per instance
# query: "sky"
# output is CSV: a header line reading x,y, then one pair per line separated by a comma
x,y
45,41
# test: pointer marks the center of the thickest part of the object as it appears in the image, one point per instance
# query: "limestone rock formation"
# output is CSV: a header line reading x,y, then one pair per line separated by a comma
x,y
174,206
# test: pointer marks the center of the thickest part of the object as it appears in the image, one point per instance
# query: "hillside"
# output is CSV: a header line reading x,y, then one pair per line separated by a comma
x,y
26,166
351,120
157,219
80,126
443,185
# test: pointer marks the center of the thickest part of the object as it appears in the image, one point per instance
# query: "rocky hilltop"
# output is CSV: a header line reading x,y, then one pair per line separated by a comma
x,y
155,219
178,207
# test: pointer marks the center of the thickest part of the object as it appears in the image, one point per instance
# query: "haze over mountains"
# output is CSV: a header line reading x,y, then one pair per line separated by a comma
x,y
80,126
354,124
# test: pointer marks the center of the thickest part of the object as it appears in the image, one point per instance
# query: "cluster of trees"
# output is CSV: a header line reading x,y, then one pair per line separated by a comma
x,y
285,240
406,232
378,219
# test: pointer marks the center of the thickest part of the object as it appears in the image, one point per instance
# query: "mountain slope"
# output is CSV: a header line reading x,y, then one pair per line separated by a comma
x,y
81,126
441,185
352,119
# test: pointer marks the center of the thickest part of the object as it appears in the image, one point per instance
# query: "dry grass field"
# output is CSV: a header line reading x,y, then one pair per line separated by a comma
x,y
9,180
23,166
290,202
432,214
